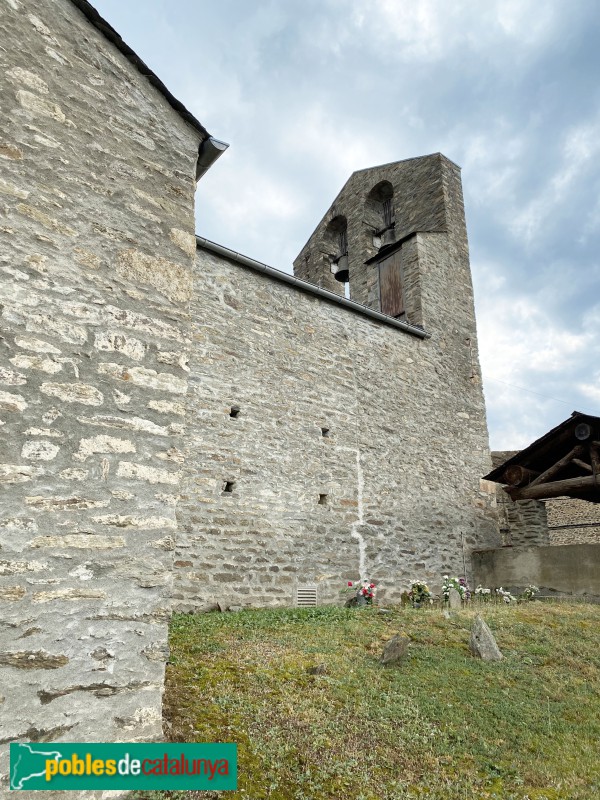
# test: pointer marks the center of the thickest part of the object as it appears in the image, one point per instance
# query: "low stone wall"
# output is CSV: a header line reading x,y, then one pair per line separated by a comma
x,y
557,570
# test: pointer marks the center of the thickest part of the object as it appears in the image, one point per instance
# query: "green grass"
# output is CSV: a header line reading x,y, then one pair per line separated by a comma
x,y
440,725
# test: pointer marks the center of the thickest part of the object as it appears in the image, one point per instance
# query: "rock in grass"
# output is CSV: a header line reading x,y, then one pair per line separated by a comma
x,y
395,650
319,669
482,642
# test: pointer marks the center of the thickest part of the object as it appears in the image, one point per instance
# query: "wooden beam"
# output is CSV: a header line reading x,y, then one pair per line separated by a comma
x,y
545,476
595,459
582,464
516,475
553,489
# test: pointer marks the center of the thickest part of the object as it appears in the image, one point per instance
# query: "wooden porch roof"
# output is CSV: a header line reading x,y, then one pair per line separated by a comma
x,y
565,462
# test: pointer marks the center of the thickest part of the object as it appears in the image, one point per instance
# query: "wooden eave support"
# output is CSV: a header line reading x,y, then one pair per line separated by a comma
x,y
518,476
554,489
582,464
551,471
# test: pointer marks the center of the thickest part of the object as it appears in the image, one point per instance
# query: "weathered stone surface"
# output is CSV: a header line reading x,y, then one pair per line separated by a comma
x,y
36,362
19,567
119,343
131,521
12,593
126,423
166,407
12,402
78,124
482,642
127,469
67,594
98,264
14,473
454,601
318,669
395,650
146,378
171,280
55,503
184,240
27,659
92,541
39,451
8,377
103,444
74,393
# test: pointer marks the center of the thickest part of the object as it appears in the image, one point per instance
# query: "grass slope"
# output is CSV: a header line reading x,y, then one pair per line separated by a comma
x,y
442,724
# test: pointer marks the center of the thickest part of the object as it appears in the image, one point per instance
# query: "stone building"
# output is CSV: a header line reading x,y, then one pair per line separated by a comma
x,y
182,424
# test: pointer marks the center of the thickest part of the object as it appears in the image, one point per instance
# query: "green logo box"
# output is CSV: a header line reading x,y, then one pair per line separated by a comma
x,y
96,765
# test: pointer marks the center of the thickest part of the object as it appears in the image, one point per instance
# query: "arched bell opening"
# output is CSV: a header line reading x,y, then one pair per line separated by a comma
x,y
379,214
335,242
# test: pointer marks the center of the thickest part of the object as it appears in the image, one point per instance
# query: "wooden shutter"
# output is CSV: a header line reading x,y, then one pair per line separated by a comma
x,y
390,285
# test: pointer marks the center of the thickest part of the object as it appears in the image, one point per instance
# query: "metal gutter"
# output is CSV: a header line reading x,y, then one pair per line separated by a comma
x,y
309,288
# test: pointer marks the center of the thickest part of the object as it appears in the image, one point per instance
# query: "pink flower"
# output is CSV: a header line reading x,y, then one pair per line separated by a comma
x,y
349,583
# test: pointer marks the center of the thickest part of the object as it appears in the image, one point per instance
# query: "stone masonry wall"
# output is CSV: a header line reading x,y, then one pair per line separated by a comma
x,y
422,202
96,247
357,447
572,521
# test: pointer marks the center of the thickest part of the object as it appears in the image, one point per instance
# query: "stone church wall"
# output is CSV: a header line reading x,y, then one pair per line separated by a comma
x,y
96,248
392,490
320,444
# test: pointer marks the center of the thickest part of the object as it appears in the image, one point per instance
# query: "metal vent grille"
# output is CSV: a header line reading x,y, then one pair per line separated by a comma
x,y
307,596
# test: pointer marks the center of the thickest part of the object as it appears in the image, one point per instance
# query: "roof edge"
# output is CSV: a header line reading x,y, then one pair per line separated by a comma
x,y
309,288
111,34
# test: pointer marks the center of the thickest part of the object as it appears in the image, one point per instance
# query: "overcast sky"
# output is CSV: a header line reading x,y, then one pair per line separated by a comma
x,y
306,91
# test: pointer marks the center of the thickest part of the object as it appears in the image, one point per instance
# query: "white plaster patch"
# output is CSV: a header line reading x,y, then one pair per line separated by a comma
x,y
120,398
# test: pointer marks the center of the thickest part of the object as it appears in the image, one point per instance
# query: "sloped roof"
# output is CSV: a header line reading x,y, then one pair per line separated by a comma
x,y
548,451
